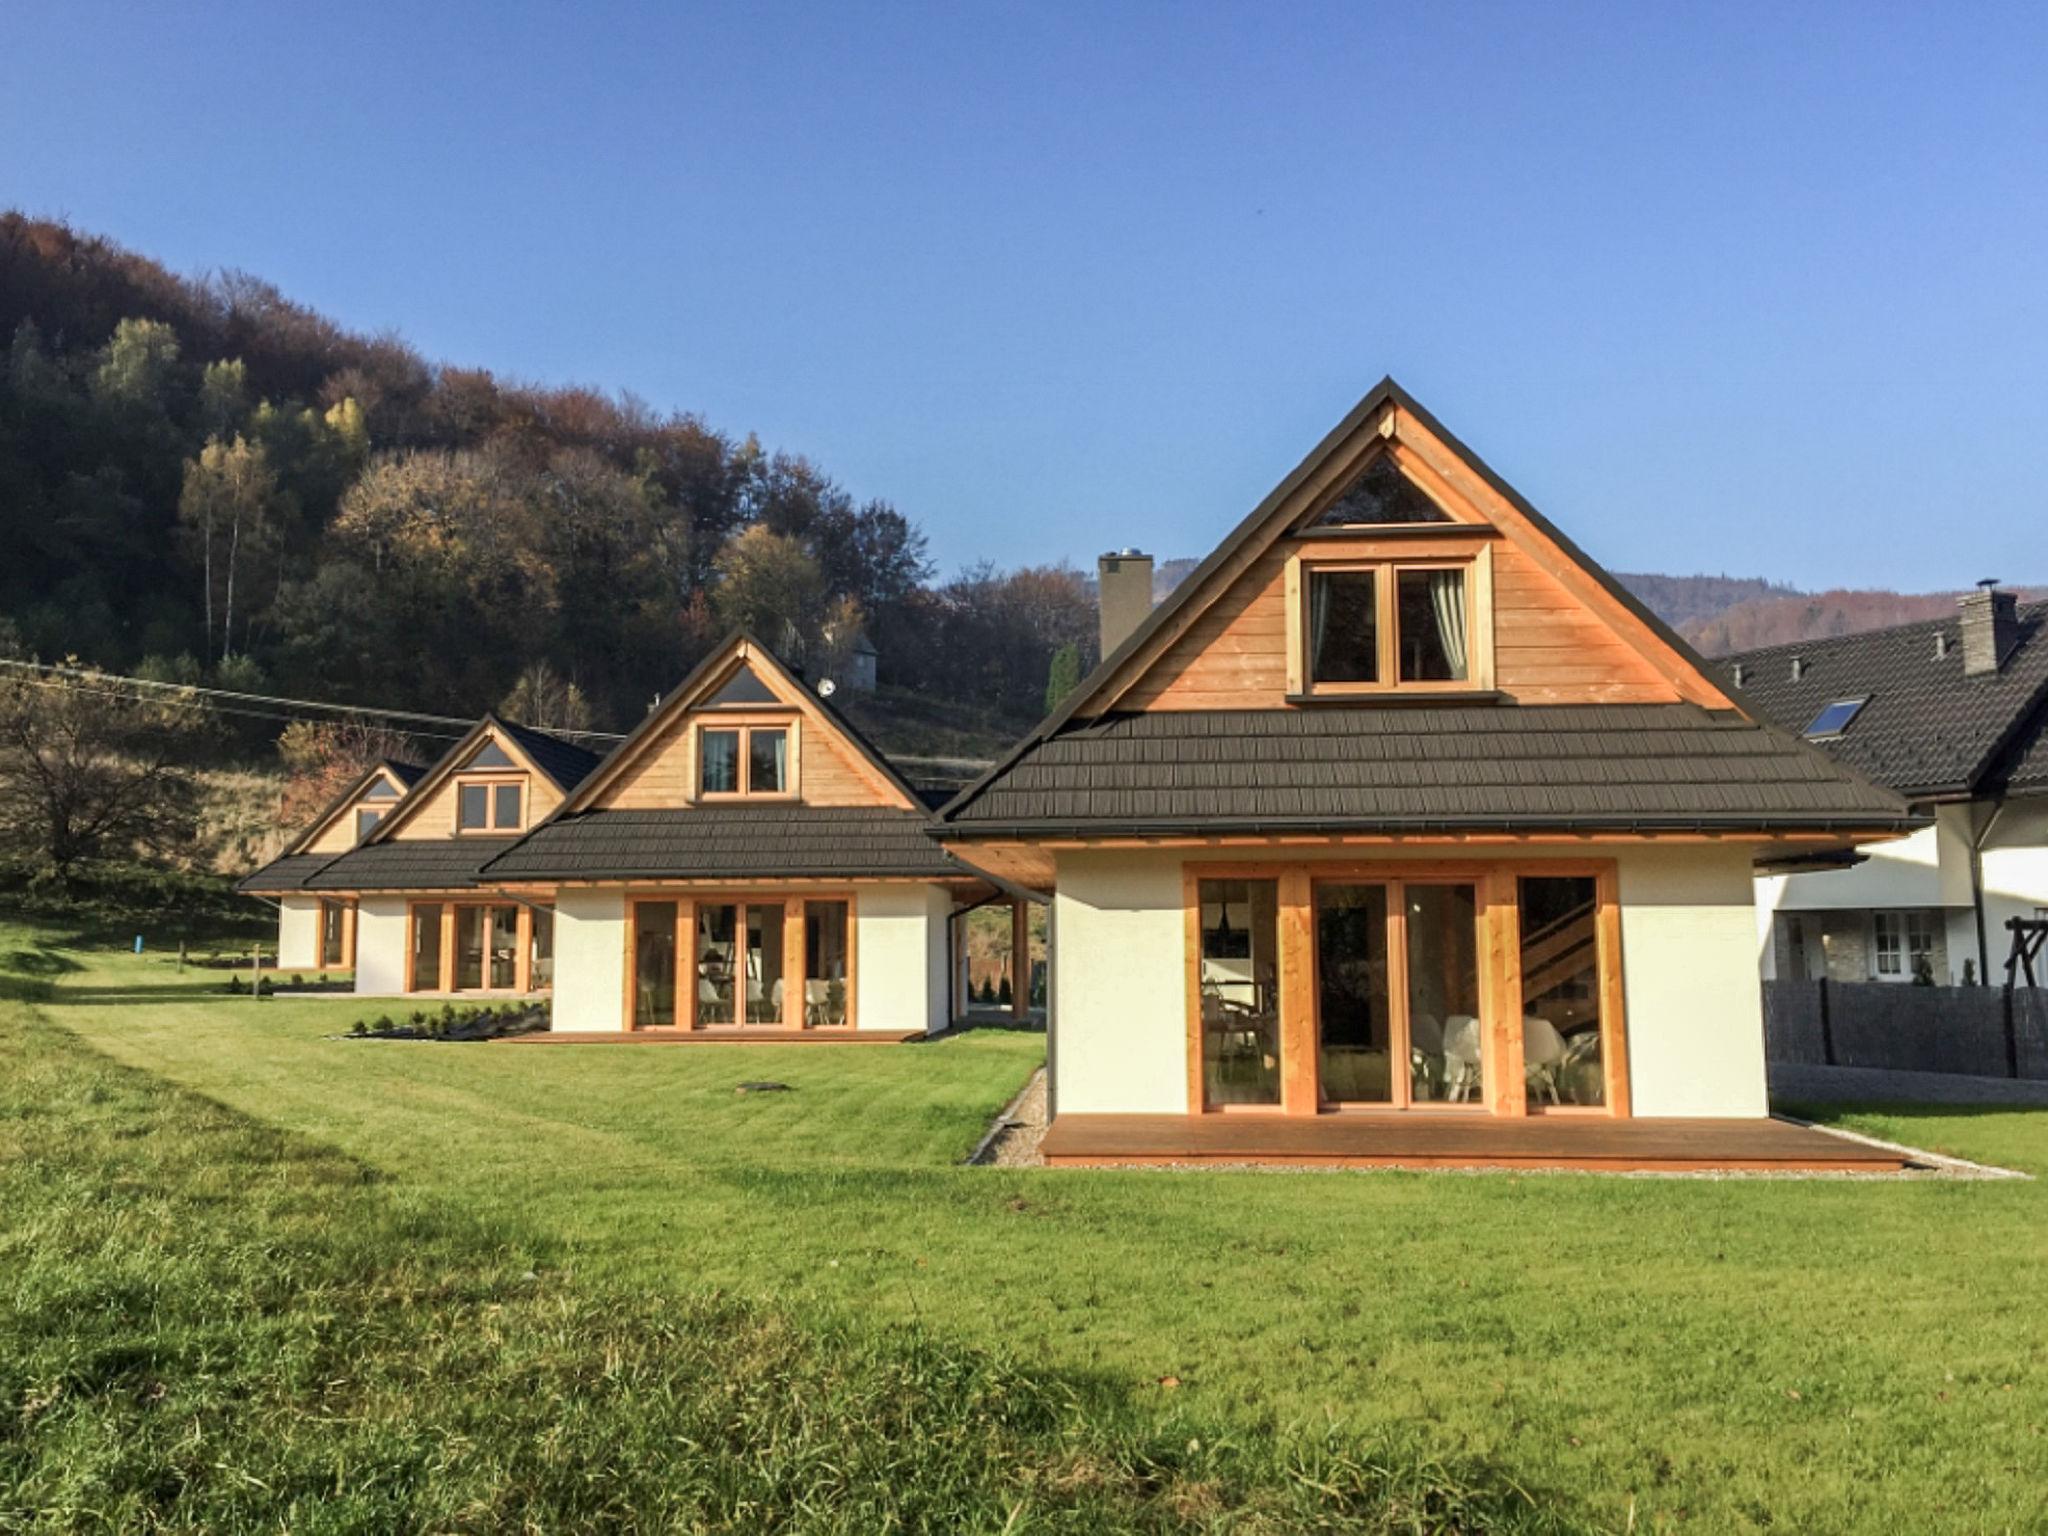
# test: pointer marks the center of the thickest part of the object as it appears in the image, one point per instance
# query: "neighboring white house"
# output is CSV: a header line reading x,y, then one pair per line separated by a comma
x,y
1401,809
1953,714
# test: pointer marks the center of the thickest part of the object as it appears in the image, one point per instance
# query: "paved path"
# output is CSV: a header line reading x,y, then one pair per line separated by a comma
x,y
1871,1085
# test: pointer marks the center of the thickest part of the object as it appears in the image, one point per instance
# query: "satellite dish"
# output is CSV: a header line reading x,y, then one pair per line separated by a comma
x,y
826,687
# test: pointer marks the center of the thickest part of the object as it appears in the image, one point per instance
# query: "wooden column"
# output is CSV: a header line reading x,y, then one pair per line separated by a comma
x,y
1297,1001
686,965
1020,958
348,936
1400,1059
794,1014
1191,901
632,994
1501,1036
522,953
447,977
1613,1018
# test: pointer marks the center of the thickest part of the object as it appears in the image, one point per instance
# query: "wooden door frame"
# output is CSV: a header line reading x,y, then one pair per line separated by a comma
x,y
795,951
1500,983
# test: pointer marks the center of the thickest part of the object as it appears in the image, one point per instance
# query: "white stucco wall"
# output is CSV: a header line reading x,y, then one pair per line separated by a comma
x,y
590,961
1119,997
298,933
1689,978
1694,1013
380,945
900,977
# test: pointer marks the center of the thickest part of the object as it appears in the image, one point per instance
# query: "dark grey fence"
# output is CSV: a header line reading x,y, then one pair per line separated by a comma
x,y
1908,1028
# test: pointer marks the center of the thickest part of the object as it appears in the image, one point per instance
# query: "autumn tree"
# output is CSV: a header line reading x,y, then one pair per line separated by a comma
x,y
769,585
323,757
546,700
226,509
91,767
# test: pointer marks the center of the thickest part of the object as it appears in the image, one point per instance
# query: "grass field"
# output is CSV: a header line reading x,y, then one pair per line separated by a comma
x,y
1666,1354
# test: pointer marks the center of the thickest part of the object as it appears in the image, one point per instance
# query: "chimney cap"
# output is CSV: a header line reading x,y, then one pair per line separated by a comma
x,y
1988,584
1128,552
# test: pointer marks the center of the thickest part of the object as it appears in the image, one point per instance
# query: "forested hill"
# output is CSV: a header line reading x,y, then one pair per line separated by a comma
x,y
200,478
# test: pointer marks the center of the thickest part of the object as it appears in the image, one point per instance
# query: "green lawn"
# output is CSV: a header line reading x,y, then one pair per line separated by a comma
x,y
1813,1356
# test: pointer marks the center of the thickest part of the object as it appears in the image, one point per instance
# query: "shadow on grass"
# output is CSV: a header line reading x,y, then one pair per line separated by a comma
x,y
42,962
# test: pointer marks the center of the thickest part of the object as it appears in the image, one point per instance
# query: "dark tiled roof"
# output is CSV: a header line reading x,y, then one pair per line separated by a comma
x,y
564,762
410,864
1927,729
286,874
407,774
1664,766
729,842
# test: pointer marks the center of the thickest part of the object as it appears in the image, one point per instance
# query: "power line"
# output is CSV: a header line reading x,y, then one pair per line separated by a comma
x,y
52,675
79,677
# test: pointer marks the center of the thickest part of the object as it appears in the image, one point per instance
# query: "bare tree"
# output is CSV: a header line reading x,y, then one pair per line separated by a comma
x,y
91,766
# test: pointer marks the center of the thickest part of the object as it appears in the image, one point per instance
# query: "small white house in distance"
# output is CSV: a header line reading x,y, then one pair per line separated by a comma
x,y
318,933
744,865
1953,714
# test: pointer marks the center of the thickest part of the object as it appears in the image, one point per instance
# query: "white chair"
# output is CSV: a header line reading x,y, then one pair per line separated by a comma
x,y
1461,1055
1542,1053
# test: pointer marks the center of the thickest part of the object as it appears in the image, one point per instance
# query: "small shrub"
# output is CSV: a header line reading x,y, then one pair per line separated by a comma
x,y
358,1028
236,985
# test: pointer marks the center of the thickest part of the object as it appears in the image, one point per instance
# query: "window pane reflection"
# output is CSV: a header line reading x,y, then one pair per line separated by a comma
x,y
1240,986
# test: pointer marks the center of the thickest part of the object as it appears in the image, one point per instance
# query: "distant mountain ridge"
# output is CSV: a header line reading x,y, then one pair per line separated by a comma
x,y
1724,614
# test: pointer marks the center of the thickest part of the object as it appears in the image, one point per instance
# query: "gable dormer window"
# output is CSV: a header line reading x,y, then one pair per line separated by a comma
x,y
745,760
489,806
366,821
1384,625
1381,496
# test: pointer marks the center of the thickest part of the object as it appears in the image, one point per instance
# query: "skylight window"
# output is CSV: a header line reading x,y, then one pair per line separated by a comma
x,y
1835,719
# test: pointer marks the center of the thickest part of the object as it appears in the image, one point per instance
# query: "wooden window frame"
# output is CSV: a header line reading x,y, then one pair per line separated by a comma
x,y
1504,1091
522,962
795,945
490,784
1473,556
744,727
347,962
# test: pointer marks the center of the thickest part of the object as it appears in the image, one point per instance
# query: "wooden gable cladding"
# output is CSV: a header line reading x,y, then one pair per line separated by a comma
x,y
1549,627
337,832
657,768
433,814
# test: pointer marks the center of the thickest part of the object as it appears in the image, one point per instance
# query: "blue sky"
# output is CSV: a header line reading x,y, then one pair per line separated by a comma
x,y
1757,289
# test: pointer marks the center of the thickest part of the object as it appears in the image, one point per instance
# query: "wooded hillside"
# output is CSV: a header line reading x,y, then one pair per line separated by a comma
x,y
203,480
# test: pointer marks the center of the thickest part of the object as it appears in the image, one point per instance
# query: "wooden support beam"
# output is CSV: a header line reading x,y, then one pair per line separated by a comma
x,y
1501,1042
686,965
793,1009
1297,1003
447,977
522,957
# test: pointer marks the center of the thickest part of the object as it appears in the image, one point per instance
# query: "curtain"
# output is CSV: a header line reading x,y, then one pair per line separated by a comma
x,y
1447,597
781,760
1318,621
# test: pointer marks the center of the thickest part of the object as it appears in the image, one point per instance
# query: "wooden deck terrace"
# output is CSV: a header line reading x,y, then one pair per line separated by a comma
x,y
1387,1139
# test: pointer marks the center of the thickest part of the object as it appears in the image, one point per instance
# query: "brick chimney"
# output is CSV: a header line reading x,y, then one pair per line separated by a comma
x,y
1991,628
1125,594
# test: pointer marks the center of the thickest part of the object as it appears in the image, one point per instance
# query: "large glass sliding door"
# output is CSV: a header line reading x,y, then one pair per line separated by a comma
x,y
1355,1026
1397,993
1562,1058
738,963
1451,986
1445,1065
1239,978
